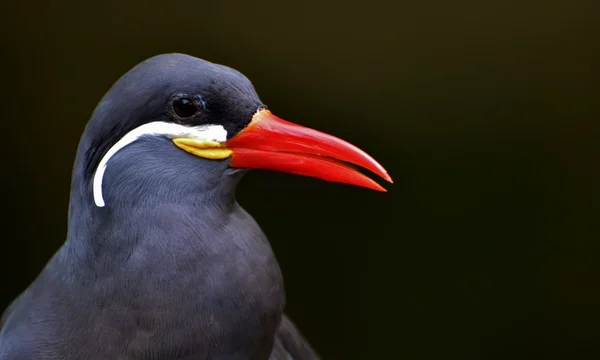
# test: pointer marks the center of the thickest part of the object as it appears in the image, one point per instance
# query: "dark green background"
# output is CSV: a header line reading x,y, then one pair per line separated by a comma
x,y
484,112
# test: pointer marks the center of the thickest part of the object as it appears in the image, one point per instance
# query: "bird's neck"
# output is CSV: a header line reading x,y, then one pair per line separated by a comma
x,y
171,237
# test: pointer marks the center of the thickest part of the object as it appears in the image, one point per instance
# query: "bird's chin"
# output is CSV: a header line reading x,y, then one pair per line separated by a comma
x,y
233,176
236,172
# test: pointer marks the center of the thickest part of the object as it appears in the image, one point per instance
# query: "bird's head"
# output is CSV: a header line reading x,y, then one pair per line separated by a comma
x,y
171,110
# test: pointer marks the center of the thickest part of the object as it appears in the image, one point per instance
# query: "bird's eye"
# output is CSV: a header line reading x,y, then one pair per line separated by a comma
x,y
184,107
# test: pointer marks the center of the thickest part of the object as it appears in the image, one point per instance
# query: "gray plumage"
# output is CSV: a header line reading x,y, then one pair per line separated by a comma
x,y
172,267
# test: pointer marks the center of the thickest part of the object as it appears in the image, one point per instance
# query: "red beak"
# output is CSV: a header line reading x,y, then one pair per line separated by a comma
x,y
269,142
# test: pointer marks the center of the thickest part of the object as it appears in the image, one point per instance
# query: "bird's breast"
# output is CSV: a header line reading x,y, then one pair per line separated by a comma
x,y
203,283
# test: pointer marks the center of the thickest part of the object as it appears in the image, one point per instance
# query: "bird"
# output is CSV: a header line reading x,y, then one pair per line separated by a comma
x,y
160,261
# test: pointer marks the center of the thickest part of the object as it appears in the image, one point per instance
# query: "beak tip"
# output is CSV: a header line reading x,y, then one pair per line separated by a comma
x,y
384,174
378,187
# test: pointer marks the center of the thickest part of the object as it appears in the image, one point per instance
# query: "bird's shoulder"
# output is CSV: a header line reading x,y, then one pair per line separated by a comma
x,y
9,310
290,344
15,342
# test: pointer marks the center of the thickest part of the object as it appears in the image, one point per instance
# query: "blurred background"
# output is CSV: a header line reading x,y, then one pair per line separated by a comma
x,y
485,113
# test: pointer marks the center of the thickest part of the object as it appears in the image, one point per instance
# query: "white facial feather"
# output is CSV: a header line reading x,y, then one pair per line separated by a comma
x,y
157,128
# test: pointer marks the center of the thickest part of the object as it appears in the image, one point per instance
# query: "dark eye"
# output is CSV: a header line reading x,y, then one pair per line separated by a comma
x,y
184,107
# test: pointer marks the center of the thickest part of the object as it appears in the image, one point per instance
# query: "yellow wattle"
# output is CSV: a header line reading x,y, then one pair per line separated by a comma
x,y
207,149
